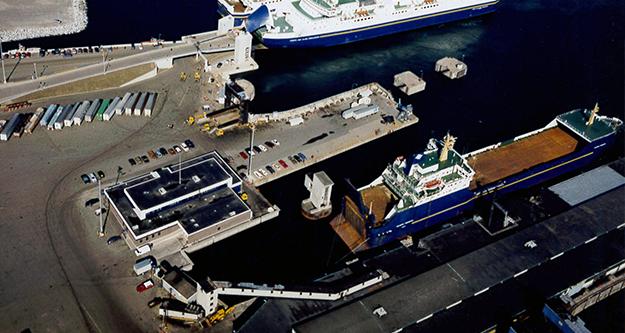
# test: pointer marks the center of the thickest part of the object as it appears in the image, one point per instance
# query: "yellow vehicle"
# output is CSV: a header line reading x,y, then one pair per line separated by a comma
x,y
220,315
219,132
197,76
191,120
244,196
183,76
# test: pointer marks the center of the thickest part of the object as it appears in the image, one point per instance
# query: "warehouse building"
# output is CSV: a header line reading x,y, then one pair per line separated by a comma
x,y
191,201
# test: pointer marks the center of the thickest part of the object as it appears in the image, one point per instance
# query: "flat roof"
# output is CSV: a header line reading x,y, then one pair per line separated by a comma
x,y
588,185
194,204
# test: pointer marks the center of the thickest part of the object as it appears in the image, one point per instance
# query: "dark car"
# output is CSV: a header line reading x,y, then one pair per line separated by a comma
x,y
294,161
85,179
256,149
101,174
132,161
163,151
145,159
113,240
297,158
155,301
171,151
270,169
91,202
189,143
269,144
302,156
243,155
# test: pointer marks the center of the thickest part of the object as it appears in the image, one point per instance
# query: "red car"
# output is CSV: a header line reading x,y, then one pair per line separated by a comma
x,y
147,284
243,155
283,164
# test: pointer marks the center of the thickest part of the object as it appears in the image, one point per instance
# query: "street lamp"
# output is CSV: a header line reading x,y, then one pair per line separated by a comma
x,y
101,230
4,77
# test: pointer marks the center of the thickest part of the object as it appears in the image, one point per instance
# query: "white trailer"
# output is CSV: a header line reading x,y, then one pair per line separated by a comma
x,y
110,111
119,108
140,103
131,103
90,114
10,127
143,266
55,118
47,116
32,123
80,113
68,121
149,105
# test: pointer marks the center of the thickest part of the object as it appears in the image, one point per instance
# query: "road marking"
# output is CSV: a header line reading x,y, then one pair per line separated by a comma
x,y
590,240
461,278
557,255
452,305
520,273
481,291
425,318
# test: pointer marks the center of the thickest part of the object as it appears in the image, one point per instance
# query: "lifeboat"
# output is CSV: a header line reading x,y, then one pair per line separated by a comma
x,y
433,184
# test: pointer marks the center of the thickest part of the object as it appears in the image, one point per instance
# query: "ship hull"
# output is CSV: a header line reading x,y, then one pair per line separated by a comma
x,y
425,216
382,29
224,11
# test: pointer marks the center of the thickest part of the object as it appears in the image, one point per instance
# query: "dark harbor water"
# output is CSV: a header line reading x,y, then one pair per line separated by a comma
x,y
528,62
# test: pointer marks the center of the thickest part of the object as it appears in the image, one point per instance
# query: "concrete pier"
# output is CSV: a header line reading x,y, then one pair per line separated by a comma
x,y
451,67
409,83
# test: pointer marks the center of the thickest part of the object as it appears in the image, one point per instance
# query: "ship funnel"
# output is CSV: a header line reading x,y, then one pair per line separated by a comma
x,y
448,144
257,19
593,114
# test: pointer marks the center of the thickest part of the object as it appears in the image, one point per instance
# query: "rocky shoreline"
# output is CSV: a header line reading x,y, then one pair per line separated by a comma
x,y
78,23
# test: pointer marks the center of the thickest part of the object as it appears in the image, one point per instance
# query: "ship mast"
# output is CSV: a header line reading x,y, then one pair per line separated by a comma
x,y
448,144
593,114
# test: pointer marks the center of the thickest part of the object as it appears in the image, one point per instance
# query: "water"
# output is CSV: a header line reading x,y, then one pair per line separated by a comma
x,y
528,62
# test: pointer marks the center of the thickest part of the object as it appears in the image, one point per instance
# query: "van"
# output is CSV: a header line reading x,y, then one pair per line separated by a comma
x,y
141,250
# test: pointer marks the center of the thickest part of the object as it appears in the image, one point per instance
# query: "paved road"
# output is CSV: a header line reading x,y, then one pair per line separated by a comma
x,y
13,90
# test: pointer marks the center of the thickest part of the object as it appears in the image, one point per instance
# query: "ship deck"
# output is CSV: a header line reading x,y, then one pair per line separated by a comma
x,y
377,199
496,164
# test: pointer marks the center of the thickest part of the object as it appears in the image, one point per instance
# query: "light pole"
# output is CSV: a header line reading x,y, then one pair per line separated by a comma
x,y
179,170
101,230
249,165
4,77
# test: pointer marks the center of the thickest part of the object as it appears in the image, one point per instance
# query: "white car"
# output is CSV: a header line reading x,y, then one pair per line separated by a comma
x,y
276,166
258,175
264,172
263,148
275,142
184,146
93,178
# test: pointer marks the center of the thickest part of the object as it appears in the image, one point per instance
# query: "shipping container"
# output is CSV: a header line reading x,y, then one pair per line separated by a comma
x,y
149,105
110,111
131,104
47,116
19,128
119,108
68,121
103,107
2,123
54,119
10,127
140,103
60,121
80,113
92,110
34,120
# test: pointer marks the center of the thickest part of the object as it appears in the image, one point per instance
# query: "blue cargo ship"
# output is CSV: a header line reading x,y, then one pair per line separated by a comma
x,y
427,188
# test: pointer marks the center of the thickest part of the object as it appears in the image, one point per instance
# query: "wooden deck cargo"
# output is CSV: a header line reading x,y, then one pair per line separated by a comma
x,y
493,165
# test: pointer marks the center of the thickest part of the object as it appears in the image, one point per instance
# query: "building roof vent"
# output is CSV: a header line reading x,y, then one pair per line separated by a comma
x,y
196,178
162,191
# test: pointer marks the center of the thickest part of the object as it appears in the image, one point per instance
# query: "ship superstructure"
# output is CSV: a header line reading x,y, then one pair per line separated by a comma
x,y
427,188
314,23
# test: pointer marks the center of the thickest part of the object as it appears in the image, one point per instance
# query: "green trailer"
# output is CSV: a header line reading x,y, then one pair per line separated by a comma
x,y
103,107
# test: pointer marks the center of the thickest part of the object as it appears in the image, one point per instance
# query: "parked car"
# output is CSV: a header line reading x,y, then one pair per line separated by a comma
x,y
293,160
243,155
275,142
113,239
258,175
85,179
155,301
138,160
177,149
269,144
91,202
283,164
147,284
276,166
264,172
132,161
101,174
184,146
256,149
152,154
93,178
302,156
263,148
163,151
145,159
159,154
270,169
189,143
297,158
250,152
171,151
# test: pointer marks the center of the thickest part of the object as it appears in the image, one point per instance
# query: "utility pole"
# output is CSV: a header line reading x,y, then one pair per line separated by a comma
x,y
35,65
249,165
179,169
4,77
101,230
